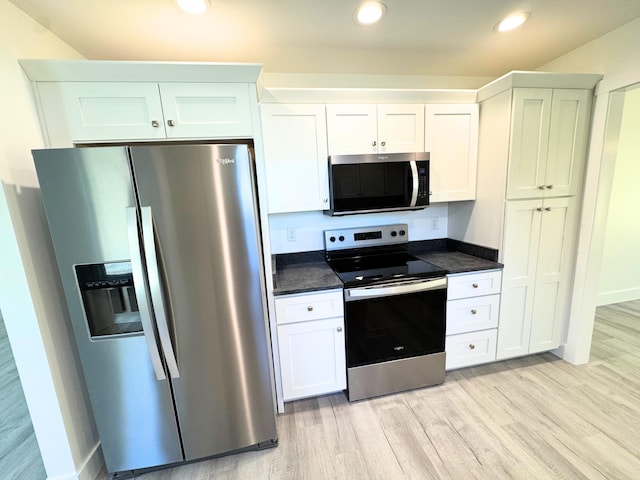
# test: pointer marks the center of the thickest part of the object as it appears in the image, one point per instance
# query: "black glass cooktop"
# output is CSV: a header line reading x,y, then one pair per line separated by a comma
x,y
383,267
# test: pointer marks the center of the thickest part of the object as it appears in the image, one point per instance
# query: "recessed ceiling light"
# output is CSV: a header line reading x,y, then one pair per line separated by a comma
x,y
511,22
369,13
193,6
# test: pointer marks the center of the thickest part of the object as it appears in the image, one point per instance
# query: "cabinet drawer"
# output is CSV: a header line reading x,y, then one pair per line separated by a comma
x,y
468,349
474,284
471,314
300,308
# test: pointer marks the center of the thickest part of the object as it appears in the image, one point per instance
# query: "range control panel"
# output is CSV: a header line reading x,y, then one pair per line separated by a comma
x,y
366,236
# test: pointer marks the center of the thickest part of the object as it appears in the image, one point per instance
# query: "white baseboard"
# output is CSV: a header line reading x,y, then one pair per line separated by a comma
x,y
90,468
617,296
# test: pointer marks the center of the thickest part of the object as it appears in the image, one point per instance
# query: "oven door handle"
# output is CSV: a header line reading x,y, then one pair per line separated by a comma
x,y
362,293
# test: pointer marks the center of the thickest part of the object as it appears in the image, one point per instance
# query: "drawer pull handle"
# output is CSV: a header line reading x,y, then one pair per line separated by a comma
x,y
339,329
475,285
472,346
155,123
474,311
309,309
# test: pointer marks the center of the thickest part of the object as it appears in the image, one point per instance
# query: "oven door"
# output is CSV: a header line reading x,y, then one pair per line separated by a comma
x,y
395,336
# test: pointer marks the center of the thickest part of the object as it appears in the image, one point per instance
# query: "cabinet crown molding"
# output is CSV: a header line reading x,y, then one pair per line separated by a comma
x,y
516,79
134,71
366,95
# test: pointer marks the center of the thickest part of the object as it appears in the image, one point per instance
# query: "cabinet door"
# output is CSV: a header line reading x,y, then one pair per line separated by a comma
x,y
206,110
451,136
520,247
113,111
295,150
531,117
312,357
555,253
400,128
570,112
352,129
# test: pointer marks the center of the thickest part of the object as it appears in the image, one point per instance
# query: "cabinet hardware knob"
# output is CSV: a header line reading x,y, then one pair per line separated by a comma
x,y
325,200
339,329
155,123
309,309
171,123
475,285
383,143
472,346
539,209
549,187
542,187
374,143
547,209
474,311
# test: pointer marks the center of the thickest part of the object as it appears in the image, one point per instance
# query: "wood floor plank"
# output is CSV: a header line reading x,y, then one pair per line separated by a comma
x,y
536,417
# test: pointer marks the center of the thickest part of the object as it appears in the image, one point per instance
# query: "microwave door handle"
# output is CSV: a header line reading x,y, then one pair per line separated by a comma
x,y
139,284
415,183
155,288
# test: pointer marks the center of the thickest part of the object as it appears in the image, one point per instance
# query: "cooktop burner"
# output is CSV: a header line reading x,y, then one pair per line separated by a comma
x,y
382,258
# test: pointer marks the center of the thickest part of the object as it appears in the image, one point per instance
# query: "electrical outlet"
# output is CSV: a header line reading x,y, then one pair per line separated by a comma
x,y
434,223
291,234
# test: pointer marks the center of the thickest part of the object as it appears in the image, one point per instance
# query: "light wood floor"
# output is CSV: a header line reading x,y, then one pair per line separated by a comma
x,y
19,454
536,417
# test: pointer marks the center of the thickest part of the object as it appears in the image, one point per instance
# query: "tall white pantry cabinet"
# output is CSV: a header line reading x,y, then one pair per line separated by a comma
x,y
532,149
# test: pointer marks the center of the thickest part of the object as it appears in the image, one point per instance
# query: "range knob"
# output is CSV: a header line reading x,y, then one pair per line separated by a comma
x,y
402,233
341,238
332,239
394,233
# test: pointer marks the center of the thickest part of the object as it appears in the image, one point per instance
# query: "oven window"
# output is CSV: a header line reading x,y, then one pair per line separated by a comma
x,y
395,327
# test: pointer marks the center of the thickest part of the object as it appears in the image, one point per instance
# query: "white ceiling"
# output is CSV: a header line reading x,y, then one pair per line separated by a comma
x,y
416,37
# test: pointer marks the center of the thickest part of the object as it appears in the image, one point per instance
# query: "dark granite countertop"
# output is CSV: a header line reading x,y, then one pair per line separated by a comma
x,y
307,271
303,272
455,256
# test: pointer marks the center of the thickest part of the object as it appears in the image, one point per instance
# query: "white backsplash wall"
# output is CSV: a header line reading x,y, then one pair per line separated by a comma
x,y
302,232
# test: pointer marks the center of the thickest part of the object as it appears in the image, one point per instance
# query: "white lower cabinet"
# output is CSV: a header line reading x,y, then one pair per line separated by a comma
x,y
473,304
473,348
311,344
538,250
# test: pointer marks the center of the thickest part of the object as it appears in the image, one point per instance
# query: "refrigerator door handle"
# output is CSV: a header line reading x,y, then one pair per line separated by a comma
x,y
155,287
141,294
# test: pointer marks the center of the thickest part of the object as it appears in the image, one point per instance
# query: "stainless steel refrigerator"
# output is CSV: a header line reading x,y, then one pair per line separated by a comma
x,y
159,253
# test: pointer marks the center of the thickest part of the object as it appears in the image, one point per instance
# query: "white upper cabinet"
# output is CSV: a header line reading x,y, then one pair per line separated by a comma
x,y
104,111
295,151
113,111
548,142
392,128
451,137
206,109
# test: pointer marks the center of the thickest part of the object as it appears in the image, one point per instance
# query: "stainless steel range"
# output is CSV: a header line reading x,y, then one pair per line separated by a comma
x,y
395,311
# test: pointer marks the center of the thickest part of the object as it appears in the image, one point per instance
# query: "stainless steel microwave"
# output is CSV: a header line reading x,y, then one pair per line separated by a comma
x,y
378,182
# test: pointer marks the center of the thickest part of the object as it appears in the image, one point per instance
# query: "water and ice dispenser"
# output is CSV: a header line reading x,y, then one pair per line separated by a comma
x,y
109,298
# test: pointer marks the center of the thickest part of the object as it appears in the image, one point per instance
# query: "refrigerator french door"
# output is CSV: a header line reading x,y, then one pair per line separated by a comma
x,y
160,257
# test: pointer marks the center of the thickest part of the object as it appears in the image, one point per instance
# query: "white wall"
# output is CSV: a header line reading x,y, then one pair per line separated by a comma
x,y
308,227
620,273
615,55
31,297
